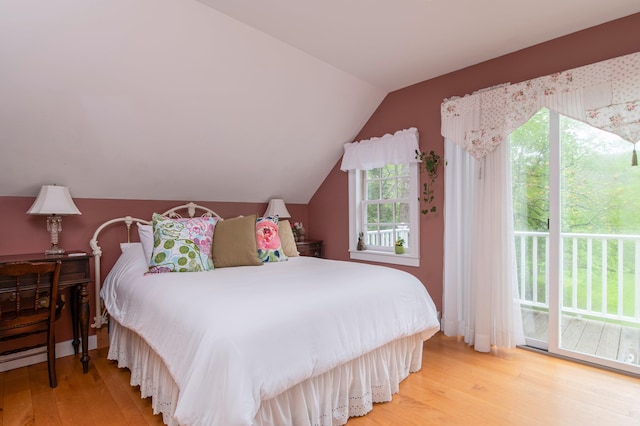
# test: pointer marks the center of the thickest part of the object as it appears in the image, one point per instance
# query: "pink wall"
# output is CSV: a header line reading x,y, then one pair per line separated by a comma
x,y
419,106
326,216
22,233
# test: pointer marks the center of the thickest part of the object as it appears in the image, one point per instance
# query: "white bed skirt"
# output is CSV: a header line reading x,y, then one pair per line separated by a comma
x,y
328,399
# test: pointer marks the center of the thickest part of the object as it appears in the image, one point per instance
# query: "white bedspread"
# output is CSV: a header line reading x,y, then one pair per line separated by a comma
x,y
233,337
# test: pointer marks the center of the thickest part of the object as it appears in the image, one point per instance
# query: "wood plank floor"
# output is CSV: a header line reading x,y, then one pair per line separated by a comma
x,y
607,340
456,386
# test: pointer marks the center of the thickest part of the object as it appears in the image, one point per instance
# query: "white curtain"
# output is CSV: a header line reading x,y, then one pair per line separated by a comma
x,y
399,148
457,303
480,293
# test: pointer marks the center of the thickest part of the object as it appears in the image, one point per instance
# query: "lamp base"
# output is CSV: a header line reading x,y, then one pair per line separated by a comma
x,y
54,225
54,251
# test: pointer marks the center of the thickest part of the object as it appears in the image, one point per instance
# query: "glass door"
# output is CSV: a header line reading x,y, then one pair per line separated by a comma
x,y
530,174
578,240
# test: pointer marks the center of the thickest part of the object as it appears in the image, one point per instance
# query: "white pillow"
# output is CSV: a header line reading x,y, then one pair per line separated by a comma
x,y
145,233
126,246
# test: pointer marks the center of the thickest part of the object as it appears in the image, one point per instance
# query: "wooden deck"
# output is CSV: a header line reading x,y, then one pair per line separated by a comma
x,y
602,339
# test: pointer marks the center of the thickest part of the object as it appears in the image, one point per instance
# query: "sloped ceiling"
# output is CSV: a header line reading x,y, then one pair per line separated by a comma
x,y
396,43
226,100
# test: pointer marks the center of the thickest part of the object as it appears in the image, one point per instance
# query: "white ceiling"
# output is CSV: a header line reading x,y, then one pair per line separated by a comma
x,y
395,43
240,101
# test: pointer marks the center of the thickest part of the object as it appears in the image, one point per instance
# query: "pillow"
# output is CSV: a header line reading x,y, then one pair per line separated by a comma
x,y
126,246
145,233
268,240
286,238
234,242
182,245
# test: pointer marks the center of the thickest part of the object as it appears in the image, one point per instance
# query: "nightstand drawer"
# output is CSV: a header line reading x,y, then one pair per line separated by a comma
x,y
310,248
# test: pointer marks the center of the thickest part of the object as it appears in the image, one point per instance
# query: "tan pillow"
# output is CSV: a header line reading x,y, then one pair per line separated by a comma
x,y
286,238
234,242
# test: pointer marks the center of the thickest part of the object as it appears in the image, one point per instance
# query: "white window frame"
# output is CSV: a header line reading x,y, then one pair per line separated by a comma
x,y
357,192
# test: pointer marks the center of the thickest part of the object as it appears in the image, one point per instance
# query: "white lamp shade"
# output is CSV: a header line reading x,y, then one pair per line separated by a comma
x,y
54,199
277,207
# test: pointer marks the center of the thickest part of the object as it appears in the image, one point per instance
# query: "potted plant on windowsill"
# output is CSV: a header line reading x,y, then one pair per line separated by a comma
x,y
399,246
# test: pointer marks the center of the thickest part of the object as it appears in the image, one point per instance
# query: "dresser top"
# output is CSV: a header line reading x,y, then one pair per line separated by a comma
x,y
39,257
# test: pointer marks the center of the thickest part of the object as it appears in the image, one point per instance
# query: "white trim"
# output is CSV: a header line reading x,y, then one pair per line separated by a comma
x,y
385,257
38,355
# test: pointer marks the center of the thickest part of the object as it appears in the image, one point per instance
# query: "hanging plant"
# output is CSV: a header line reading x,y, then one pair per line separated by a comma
x,y
430,163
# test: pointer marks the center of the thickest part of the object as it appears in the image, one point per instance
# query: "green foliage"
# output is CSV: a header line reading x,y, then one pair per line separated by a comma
x,y
430,163
600,191
530,171
599,195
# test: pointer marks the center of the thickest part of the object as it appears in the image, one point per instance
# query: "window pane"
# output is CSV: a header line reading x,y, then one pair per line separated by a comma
x,y
373,174
388,171
389,189
403,169
386,213
403,187
373,190
600,192
373,236
372,213
402,213
530,173
386,236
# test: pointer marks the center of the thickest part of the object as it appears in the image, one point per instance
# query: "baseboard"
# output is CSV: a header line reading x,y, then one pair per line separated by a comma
x,y
37,355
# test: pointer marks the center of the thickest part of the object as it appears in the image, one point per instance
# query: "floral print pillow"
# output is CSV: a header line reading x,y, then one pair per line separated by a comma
x,y
268,240
182,245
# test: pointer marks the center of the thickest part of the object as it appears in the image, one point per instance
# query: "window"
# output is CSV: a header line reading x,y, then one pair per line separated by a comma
x,y
383,207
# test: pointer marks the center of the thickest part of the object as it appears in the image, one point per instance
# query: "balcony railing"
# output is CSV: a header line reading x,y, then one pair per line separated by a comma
x,y
600,274
385,238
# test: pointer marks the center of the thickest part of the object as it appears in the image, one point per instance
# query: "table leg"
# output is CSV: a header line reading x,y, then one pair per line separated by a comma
x,y
75,297
84,325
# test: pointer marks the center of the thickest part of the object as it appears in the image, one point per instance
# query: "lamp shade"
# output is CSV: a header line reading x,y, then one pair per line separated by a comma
x,y
277,207
54,199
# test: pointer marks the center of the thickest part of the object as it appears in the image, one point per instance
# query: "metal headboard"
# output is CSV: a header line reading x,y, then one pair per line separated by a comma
x,y
101,317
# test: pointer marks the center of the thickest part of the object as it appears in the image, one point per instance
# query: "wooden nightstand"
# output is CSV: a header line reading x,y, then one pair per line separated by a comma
x,y
310,248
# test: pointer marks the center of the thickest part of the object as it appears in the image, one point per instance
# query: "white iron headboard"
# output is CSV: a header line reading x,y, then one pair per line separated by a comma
x,y
101,317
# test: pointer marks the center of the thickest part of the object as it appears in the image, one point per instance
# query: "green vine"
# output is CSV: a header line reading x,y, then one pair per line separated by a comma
x,y
430,163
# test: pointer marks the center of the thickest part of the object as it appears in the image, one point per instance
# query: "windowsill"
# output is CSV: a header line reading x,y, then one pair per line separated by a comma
x,y
385,257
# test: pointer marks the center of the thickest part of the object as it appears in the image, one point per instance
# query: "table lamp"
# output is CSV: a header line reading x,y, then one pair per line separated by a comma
x,y
277,207
55,202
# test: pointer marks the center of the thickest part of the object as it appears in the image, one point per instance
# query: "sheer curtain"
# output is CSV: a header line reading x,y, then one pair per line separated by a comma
x,y
480,295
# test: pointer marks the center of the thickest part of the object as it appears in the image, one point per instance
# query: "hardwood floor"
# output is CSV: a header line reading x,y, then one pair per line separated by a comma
x,y
456,386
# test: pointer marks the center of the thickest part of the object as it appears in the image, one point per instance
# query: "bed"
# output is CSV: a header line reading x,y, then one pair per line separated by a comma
x,y
296,341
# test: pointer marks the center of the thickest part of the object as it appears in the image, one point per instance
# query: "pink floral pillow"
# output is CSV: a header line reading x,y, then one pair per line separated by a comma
x,y
268,240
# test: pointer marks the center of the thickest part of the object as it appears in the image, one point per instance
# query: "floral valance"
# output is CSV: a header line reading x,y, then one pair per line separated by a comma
x,y
369,154
605,95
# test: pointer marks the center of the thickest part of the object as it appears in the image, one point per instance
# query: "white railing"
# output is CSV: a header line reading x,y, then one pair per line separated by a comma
x,y
584,257
386,238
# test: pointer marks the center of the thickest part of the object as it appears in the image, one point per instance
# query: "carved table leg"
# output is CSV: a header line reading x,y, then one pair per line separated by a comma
x,y
84,325
75,297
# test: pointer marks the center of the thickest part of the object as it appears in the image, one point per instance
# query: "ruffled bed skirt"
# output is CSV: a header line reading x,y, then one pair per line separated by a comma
x,y
328,399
